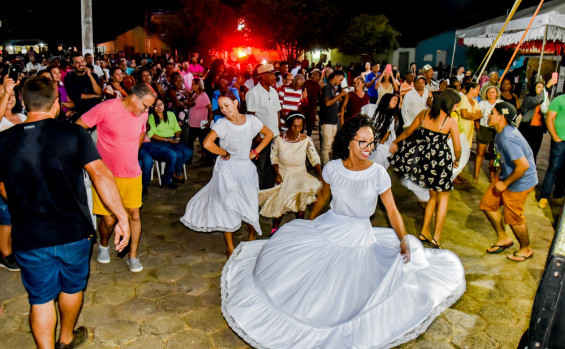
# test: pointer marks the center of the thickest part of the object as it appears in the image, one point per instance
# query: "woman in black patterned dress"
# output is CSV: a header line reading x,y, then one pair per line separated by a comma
x,y
426,159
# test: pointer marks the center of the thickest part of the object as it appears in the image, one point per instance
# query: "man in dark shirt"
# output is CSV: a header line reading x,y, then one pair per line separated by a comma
x,y
313,90
329,112
82,86
41,176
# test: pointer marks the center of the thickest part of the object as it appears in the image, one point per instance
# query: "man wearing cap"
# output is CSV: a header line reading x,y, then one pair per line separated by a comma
x,y
555,122
263,102
428,73
516,178
415,101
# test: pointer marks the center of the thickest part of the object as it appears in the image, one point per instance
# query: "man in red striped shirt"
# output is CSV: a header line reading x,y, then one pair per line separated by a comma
x,y
291,96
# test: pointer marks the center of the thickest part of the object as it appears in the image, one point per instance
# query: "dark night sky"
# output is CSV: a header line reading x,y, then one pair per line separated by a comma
x,y
60,21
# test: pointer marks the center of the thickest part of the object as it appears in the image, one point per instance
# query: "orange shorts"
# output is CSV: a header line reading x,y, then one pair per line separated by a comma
x,y
513,203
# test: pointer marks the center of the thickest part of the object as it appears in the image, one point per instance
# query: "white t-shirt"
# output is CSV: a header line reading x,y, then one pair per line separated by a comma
x,y
486,109
266,105
249,83
32,66
98,71
412,105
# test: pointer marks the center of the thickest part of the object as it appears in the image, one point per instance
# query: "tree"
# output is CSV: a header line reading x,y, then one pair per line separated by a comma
x,y
205,25
291,27
368,34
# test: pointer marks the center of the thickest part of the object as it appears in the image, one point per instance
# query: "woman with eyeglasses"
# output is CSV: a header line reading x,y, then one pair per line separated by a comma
x,y
426,160
334,281
295,189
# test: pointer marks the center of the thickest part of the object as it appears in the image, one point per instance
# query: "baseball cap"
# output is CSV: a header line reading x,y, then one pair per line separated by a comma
x,y
508,111
426,68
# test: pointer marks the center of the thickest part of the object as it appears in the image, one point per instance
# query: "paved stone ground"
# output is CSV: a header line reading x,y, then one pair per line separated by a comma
x,y
175,301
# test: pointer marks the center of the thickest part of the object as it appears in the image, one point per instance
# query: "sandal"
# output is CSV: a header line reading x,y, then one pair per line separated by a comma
x,y
436,244
424,240
500,248
519,256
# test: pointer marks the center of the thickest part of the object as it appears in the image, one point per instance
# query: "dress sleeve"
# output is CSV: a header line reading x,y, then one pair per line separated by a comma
x,y
383,180
220,128
275,151
313,156
328,171
256,124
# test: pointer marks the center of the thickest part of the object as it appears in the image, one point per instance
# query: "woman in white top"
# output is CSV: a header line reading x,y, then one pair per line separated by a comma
x,y
10,115
485,133
334,281
232,194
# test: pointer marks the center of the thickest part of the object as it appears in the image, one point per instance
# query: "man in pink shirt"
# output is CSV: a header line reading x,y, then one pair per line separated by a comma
x,y
187,76
121,126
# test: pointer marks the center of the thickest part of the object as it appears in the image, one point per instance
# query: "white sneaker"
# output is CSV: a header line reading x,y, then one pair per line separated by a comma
x,y
134,265
103,254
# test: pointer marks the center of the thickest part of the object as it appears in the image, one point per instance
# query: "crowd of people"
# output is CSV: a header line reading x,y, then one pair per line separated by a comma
x,y
254,124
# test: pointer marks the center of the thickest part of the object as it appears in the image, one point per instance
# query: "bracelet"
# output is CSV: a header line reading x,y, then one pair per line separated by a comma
x,y
404,238
227,154
255,152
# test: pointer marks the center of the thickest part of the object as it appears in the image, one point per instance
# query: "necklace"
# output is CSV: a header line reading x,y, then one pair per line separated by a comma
x,y
288,140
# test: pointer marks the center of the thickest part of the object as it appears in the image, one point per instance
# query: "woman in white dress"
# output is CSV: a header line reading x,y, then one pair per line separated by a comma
x,y
295,189
334,281
231,196
384,118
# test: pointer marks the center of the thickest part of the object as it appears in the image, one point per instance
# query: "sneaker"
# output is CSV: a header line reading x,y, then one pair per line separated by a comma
x,y
542,203
134,265
80,335
103,254
9,263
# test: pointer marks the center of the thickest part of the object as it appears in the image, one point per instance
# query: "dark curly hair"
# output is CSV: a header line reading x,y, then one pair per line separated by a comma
x,y
345,134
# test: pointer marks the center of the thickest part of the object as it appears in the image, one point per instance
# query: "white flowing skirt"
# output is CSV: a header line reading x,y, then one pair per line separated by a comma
x,y
336,282
229,198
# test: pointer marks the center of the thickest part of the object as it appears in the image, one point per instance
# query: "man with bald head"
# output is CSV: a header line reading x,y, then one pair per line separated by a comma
x,y
291,96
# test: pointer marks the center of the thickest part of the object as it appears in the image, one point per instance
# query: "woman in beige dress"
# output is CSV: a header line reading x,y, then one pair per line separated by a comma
x,y
295,189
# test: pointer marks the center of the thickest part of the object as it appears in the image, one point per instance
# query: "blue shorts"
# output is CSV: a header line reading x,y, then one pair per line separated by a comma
x,y
5,218
48,271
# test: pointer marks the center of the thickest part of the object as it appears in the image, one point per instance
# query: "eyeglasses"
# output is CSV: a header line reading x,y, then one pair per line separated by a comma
x,y
146,107
366,144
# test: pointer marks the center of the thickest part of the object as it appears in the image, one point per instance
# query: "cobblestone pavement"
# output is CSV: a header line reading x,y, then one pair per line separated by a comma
x,y
175,301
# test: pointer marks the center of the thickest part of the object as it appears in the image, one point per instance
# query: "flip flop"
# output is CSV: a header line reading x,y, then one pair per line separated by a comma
x,y
519,256
500,248
425,239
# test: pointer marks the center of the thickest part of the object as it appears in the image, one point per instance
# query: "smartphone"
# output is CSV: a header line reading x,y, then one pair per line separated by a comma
x,y
14,73
555,77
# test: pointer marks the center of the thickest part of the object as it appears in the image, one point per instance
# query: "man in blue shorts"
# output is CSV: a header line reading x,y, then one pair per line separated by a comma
x,y
41,176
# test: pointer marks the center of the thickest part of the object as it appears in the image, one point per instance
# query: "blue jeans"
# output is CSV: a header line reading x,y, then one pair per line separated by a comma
x,y
556,159
182,152
146,164
154,151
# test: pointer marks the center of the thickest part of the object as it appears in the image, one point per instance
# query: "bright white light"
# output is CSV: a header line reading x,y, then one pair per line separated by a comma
x,y
41,44
24,50
240,26
264,61
316,54
10,47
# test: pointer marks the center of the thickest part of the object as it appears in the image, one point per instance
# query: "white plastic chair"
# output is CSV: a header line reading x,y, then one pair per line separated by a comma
x,y
160,169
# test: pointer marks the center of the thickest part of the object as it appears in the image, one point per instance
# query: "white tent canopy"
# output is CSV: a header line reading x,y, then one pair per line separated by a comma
x,y
551,17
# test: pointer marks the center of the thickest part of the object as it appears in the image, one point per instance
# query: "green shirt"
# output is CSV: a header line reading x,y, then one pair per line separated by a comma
x,y
558,106
164,129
